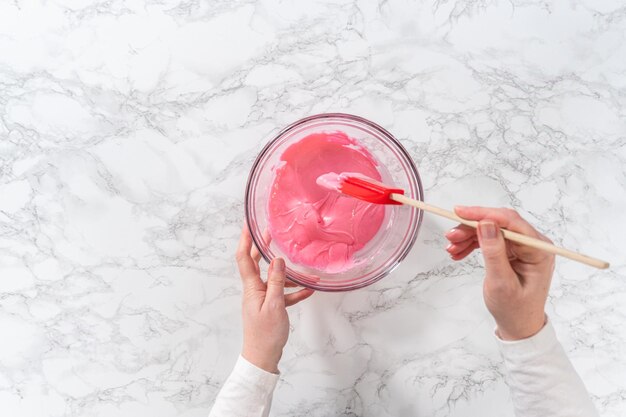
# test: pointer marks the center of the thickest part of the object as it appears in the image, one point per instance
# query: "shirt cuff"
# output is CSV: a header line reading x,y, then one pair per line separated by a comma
x,y
536,345
264,382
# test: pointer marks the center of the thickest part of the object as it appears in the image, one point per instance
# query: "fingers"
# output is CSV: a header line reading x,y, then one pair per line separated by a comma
x,y
290,284
255,254
494,251
296,297
456,248
247,267
511,220
463,240
276,283
503,217
256,257
460,233
267,239
462,254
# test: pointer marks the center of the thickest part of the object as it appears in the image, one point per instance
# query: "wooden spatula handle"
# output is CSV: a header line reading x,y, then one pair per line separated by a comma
x,y
512,236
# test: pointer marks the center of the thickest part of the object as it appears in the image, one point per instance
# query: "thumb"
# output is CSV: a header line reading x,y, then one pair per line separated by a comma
x,y
493,248
276,282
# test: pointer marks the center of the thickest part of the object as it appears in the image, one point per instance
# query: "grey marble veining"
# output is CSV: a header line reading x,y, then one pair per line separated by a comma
x,y
127,129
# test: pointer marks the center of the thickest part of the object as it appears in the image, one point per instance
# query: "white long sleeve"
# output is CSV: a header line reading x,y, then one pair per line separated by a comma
x,y
541,378
246,393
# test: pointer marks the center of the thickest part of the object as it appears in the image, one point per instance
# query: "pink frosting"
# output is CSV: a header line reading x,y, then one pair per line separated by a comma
x,y
313,225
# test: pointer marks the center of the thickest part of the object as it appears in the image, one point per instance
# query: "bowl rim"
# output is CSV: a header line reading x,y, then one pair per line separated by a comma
x,y
401,149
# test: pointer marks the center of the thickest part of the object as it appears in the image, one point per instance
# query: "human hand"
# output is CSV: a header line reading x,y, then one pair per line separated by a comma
x,y
265,319
517,277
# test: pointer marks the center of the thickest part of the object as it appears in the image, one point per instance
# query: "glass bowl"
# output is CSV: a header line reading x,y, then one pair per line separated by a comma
x,y
393,241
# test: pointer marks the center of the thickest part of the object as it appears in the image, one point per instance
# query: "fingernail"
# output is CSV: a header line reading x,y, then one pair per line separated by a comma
x,y
487,230
279,264
451,231
449,246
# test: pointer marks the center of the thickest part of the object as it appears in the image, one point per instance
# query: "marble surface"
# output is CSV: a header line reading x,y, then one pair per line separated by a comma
x,y
127,129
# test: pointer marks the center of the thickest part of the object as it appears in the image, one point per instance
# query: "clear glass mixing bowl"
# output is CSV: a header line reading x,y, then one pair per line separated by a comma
x,y
399,228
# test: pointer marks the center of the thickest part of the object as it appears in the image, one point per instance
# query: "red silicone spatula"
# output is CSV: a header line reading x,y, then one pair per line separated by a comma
x,y
372,191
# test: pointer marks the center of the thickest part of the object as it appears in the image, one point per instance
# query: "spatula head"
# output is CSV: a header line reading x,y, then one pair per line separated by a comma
x,y
360,186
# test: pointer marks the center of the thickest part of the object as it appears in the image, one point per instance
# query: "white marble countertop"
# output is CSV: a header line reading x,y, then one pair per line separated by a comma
x,y
127,129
